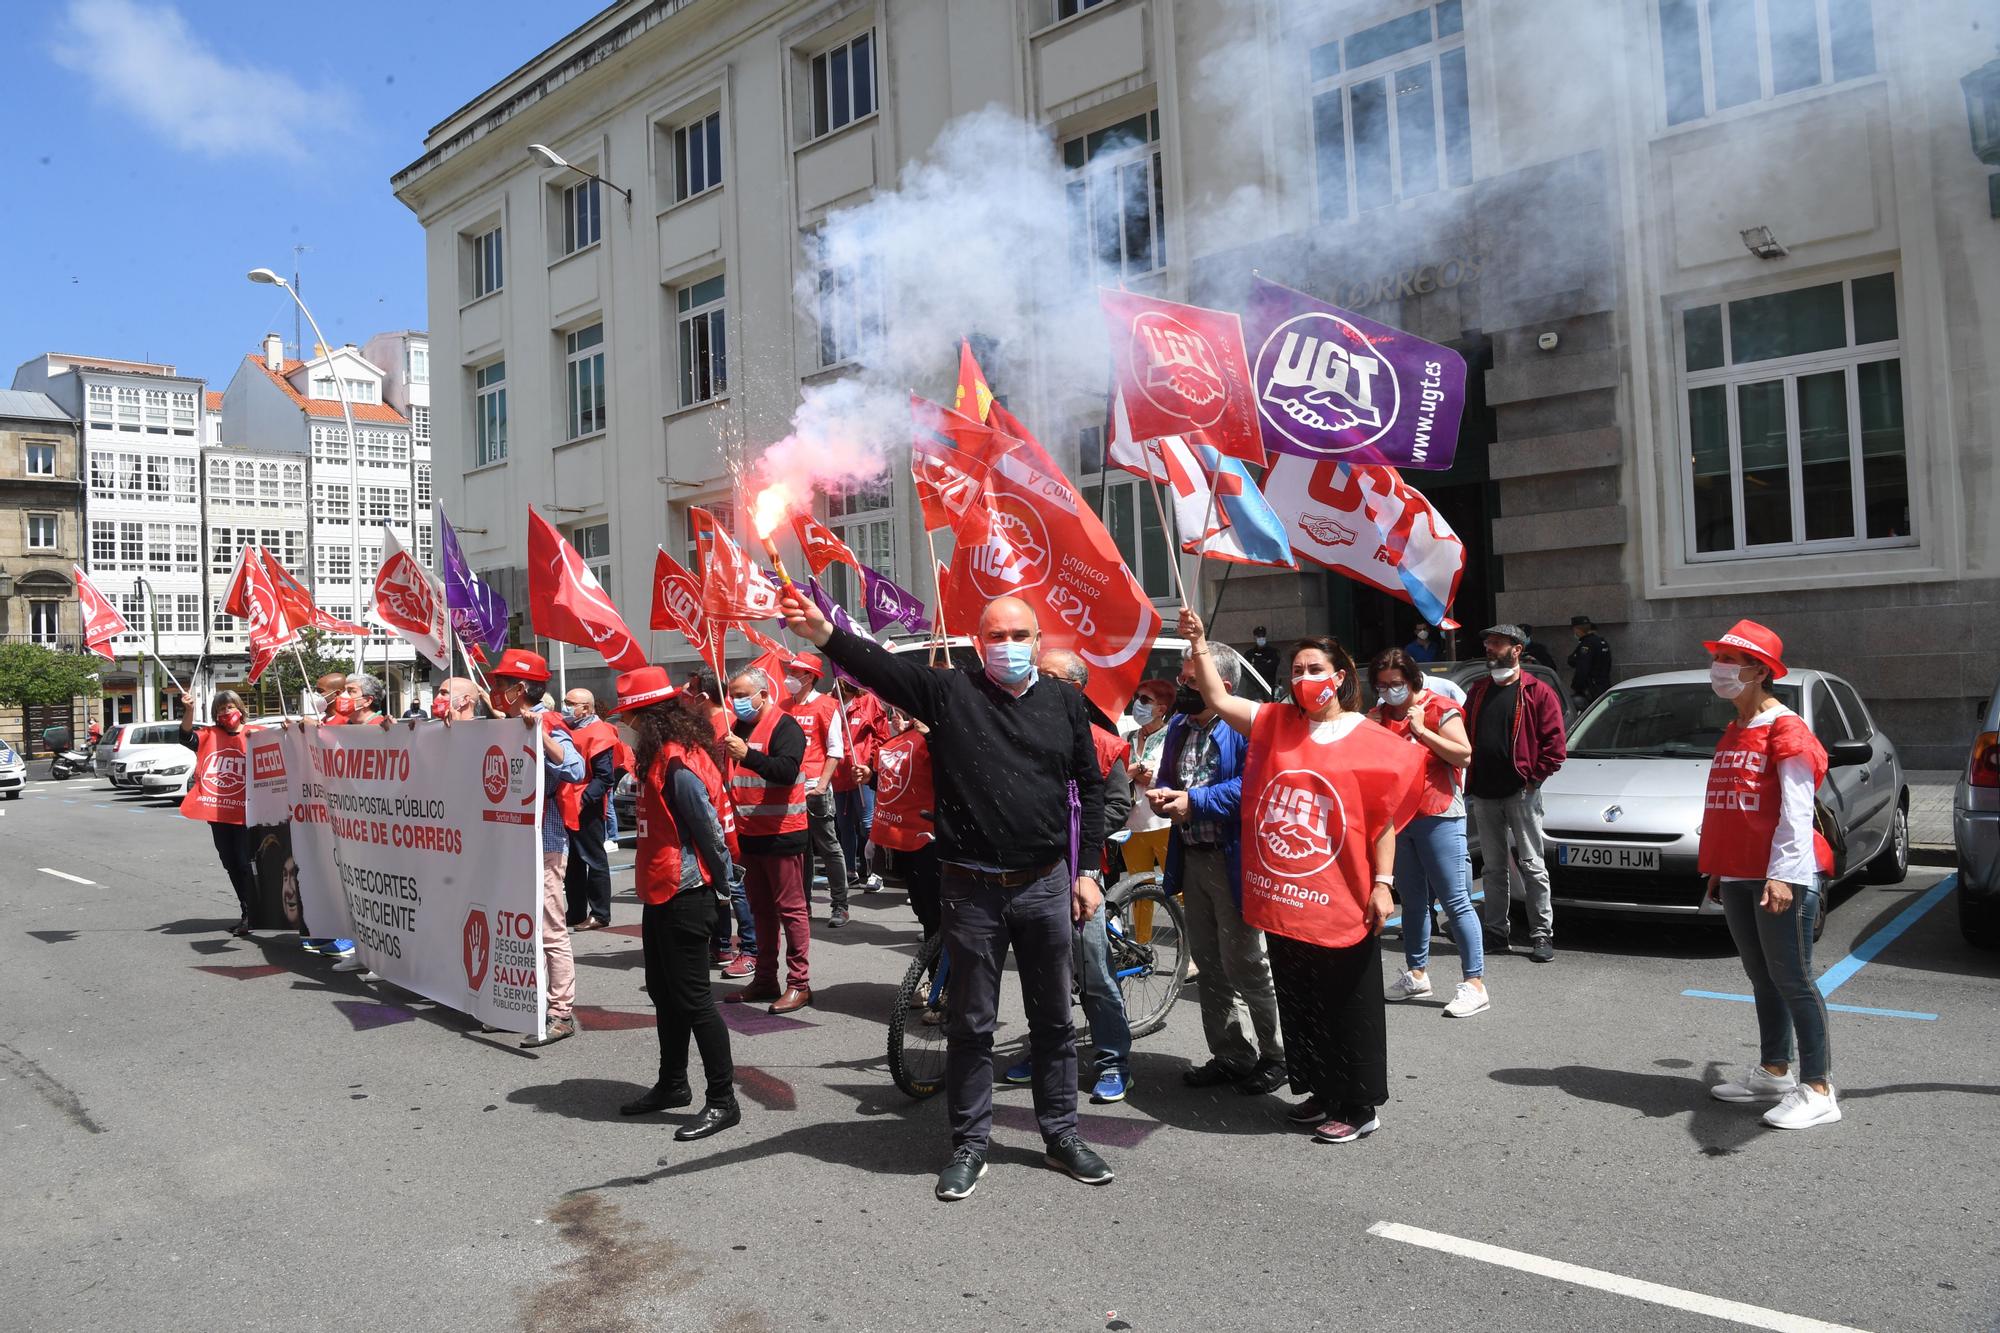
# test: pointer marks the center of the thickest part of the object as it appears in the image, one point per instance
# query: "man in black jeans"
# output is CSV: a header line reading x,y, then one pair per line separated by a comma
x,y
1005,745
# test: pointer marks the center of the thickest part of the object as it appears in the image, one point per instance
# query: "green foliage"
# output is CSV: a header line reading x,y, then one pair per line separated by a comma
x,y
324,654
33,675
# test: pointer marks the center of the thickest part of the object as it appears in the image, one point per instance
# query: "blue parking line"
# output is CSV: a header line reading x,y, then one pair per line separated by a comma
x,y
1397,919
1843,1008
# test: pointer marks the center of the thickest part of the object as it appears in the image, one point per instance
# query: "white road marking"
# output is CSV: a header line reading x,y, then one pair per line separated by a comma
x,y
74,879
1755,1316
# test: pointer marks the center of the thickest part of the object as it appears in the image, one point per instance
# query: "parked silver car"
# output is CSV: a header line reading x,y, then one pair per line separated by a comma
x,y
1622,817
1975,830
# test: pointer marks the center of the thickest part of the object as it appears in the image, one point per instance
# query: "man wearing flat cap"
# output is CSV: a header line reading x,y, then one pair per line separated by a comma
x,y
1516,726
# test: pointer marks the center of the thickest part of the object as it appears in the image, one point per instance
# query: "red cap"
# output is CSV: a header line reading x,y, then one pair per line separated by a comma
x,y
643,686
520,664
1753,640
807,664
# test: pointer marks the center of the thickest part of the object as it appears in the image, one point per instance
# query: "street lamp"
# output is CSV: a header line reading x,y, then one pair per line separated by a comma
x,y
270,278
549,157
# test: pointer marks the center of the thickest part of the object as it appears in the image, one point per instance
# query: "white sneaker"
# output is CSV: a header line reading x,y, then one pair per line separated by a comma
x,y
350,965
611,846
1409,986
1803,1108
1467,1001
1760,1085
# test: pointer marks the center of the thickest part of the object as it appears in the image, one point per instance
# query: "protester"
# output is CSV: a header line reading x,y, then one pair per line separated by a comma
x,y
587,876
456,700
818,715
680,869
336,706
734,939
904,801
1590,661
1199,790
96,732
768,749
1019,857
1420,648
1263,658
516,689
1432,864
1103,1000
865,726
364,695
1534,650
1324,792
413,710
232,840
1145,845
1763,861
1516,726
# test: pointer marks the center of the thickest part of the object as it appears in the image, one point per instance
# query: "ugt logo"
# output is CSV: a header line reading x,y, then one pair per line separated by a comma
x,y
493,774
1300,822
222,781
1182,374
1321,387
478,947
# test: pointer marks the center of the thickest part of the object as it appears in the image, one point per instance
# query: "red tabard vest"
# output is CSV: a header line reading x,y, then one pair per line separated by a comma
x,y
591,740
657,862
1310,813
1739,818
764,811
221,777
904,796
1440,778
718,722
1111,748
817,719
866,727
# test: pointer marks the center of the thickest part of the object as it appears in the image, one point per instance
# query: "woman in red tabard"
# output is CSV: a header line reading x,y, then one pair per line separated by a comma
x,y
1324,792
1763,861
904,800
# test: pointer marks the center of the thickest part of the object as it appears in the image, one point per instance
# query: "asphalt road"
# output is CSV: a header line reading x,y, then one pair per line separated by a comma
x,y
202,1133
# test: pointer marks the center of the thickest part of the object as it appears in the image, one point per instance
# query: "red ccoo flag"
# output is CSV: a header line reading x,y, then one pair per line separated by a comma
x,y
101,623
821,546
569,605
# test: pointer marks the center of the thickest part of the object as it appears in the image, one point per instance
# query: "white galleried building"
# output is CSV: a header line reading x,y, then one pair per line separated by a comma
x,y
141,425
1725,276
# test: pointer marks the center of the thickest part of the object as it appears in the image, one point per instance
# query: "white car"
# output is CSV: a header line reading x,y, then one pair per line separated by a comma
x,y
13,772
140,748
169,775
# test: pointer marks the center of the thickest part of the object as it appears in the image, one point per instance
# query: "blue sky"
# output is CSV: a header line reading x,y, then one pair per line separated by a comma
x,y
155,152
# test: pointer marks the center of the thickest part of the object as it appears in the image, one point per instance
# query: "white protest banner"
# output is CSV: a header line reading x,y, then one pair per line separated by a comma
x,y
423,845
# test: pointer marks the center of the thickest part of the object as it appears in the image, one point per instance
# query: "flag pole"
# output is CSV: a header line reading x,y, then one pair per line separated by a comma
x,y
1172,535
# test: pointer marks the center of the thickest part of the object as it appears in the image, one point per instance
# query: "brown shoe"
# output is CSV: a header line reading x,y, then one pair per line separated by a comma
x,y
795,997
752,994
558,1030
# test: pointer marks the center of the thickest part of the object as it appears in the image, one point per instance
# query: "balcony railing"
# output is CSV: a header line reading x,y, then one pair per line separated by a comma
x,y
62,643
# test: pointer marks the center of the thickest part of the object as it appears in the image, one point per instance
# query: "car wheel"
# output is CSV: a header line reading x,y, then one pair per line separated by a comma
x,y
1893,862
1978,918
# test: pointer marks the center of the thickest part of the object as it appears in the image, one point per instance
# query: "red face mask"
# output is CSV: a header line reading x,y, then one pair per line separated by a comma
x,y
230,719
343,704
1314,692
440,707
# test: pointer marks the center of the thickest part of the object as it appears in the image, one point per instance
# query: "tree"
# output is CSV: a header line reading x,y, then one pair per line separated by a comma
x,y
324,655
33,676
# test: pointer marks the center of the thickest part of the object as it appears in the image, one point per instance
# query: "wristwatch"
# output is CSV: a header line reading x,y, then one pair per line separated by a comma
x,y
1094,876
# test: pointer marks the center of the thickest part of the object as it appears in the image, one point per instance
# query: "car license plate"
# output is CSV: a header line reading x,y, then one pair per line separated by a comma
x,y
1608,858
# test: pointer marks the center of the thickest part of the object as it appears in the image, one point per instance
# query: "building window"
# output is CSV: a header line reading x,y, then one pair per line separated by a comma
x,y
103,544
100,405
267,485
849,307
583,376
187,485
41,532
487,273
420,364
1716,54
593,542
182,407
863,517
41,460
698,156
420,425
128,408
330,502
187,613
132,545
1117,203
1069,9
703,348
326,387
489,414
335,561
44,622
423,485
1129,514
843,84
1794,421
1390,111
156,411
293,479
581,221
426,539
361,391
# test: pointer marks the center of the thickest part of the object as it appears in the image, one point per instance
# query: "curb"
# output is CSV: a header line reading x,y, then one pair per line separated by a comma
x,y
1933,856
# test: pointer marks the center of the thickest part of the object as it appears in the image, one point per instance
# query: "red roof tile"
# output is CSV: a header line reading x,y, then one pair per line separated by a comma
x,y
213,399
380,413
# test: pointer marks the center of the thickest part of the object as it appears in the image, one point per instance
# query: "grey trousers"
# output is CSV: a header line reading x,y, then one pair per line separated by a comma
x,y
1518,817
1235,975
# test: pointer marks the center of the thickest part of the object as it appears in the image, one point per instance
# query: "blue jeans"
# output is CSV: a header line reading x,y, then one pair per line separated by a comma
x,y
1103,1001
853,816
1777,957
739,907
1432,863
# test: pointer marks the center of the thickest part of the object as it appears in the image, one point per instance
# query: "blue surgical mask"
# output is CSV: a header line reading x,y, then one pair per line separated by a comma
x,y
1396,696
1142,713
1010,663
745,708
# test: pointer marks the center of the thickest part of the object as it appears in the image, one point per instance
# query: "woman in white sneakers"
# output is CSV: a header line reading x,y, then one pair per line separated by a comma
x,y
1764,861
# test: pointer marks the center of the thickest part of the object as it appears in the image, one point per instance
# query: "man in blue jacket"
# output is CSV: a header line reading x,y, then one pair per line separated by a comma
x,y
1200,788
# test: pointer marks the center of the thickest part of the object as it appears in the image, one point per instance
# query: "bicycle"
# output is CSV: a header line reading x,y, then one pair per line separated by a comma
x,y
1146,935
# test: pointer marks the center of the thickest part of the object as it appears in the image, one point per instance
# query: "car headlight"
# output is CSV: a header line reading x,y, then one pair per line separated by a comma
x,y
173,772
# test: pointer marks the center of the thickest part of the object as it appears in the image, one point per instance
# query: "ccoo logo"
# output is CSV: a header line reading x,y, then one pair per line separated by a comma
x,y
1317,378
478,942
493,774
1300,822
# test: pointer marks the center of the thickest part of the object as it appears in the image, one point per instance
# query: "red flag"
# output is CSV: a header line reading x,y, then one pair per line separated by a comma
x,y
271,630
974,399
677,606
1032,537
100,622
300,608
763,641
732,587
1181,369
236,597
569,605
409,599
821,546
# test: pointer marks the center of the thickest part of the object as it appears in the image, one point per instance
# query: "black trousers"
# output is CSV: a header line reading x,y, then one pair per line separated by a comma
x,y
587,875
1331,1010
232,846
981,919
920,875
675,935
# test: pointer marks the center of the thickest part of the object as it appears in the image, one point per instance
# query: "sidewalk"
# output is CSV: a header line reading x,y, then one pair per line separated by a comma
x,y
1930,814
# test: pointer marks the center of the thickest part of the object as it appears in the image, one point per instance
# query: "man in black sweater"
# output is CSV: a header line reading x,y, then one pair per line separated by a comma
x,y
1006,747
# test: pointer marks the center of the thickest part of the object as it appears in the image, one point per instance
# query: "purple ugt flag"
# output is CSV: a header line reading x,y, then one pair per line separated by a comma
x,y
1331,385
889,604
478,614
835,612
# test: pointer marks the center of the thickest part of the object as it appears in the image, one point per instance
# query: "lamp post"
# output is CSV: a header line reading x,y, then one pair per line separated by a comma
x,y
549,157
271,279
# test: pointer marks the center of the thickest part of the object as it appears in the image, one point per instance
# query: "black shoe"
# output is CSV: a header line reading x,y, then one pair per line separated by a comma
x,y
1072,1155
838,919
961,1175
713,1119
1211,1075
1496,941
1544,951
662,1097
1268,1076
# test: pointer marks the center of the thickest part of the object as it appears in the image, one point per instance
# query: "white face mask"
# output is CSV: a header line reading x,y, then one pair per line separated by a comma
x,y
1423,634
1260,641
1142,713
1726,680
1396,696
795,685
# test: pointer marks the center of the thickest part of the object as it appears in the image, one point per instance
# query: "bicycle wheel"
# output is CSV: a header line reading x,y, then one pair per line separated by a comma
x,y
1146,934
916,1022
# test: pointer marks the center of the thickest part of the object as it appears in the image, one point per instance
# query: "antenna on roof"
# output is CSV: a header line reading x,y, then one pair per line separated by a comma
x,y
298,336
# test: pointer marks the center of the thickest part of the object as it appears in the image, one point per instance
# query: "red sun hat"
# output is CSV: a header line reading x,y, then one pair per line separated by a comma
x,y
1750,638
520,664
643,686
807,664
